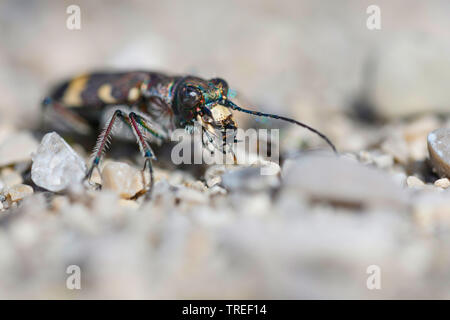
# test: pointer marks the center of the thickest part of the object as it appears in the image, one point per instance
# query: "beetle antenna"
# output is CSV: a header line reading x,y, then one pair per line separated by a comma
x,y
233,106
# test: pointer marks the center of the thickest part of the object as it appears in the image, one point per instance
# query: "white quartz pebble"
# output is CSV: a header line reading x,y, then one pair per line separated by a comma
x,y
56,166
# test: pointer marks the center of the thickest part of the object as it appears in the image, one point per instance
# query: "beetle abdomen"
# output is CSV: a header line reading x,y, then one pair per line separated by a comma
x,y
100,89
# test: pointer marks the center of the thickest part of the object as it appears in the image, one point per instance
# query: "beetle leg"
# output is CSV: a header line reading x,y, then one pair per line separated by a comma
x,y
147,125
205,133
230,146
211,139
103,141
135,121
148,162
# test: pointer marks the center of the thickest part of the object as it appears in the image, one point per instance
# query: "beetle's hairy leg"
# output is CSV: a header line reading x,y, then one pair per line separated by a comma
x,y
146,125
230,148
212,137
103,142
210,140
230,145
65,114
147,152
89,175
148,162
204,133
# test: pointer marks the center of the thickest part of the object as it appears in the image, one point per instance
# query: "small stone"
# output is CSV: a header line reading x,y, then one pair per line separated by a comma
x,y
365,157
414,182
19,191
380,160
10,177
191,196
384,161
56,165
251,178
349,156
396,146
197,185
216,190
213,175
59,202
17,147
417,150
439,150
176,177
161,175
419,128
123,179
341,181
443,183
399,178
128,204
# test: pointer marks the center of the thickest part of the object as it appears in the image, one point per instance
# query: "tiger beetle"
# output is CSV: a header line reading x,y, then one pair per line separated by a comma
x,y
157,105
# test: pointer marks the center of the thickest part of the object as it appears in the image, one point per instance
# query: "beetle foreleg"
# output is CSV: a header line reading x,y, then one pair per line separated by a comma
x,y
210,140
144,147
148,127
150,169
133,121
230,146
103,142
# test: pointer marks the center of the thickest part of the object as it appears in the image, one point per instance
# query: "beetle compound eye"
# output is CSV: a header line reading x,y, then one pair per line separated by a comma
x,y
191,97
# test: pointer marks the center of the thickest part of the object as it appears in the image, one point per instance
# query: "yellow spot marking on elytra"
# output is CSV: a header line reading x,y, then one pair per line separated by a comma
x,y
133,94
104,93
72,95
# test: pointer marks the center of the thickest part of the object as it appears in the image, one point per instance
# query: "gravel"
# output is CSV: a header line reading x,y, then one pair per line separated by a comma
x,y
311,230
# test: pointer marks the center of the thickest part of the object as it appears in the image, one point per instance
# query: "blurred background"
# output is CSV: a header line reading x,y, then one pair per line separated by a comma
x,y
291,57
376,93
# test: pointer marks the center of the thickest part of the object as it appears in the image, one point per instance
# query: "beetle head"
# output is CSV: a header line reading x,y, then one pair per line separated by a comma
x,y
206,101
202,100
